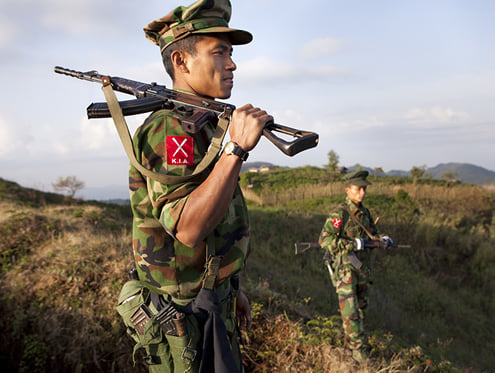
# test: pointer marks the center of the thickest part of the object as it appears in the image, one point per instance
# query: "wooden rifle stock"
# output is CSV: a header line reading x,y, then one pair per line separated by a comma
x,y
150,97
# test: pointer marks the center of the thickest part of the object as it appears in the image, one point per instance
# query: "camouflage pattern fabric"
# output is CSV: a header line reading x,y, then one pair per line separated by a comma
x,y
164,264
352,284
203,16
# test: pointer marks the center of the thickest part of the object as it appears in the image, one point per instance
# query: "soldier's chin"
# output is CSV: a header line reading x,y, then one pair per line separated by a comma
x,y
224,96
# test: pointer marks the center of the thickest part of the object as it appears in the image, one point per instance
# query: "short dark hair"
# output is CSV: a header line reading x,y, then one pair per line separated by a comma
x,y
188,45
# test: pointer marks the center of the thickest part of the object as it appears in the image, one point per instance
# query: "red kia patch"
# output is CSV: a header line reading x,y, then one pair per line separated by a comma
x,y
180,150
337,223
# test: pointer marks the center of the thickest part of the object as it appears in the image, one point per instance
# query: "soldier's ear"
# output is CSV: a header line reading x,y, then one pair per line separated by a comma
x,y
178,58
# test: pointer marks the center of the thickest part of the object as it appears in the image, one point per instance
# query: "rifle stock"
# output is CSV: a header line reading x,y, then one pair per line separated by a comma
x,y
302,247
152,96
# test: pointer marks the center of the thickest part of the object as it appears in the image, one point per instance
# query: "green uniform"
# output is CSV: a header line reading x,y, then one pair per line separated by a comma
x,y
338,236
165,265
171,274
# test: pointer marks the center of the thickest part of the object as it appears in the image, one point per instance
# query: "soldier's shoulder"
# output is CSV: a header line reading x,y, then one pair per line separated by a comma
x,y
340,209
335,213
160,120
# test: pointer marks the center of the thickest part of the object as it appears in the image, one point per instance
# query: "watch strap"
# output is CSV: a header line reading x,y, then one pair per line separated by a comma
x,y
237,150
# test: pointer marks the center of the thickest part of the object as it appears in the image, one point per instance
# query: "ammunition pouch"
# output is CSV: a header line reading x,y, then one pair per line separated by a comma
x,y
169,336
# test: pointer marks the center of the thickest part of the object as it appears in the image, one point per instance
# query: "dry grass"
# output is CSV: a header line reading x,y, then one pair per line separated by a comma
x,y
64,276
279,345
61,271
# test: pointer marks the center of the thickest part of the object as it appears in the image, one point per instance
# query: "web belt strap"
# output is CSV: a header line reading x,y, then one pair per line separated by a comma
x,y
212,265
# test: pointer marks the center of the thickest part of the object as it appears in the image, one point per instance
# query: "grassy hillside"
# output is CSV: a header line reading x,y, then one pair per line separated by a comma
x,y
63,264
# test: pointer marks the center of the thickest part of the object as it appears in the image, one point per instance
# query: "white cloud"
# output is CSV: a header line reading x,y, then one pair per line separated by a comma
x,y
321,47
71,17
99,137
267,70
74,16
9,140
9,30
435,114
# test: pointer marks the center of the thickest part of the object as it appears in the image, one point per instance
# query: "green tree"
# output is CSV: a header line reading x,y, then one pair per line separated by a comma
x,y
333,160
449,175
69,185
417,173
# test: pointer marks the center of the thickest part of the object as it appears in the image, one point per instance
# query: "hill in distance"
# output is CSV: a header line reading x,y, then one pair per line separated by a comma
x,y
466,173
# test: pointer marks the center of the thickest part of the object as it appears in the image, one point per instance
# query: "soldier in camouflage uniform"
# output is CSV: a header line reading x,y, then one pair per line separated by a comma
x,y
179,226
348,237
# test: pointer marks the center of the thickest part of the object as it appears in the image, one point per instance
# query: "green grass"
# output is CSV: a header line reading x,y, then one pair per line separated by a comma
x,y
438,294
63,264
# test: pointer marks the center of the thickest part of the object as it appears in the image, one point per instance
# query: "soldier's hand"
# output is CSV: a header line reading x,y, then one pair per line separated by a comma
x,y
246,126
243,312
387,242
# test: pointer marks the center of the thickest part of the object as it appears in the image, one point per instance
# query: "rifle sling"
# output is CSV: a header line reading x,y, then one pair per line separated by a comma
x,y
358,222
125,137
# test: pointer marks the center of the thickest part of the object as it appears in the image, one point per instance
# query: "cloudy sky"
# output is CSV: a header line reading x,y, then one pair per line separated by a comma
x,y
385,83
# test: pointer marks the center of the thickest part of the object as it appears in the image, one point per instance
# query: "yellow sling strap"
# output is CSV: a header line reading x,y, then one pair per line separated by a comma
x,y
372,237
212,264
125,137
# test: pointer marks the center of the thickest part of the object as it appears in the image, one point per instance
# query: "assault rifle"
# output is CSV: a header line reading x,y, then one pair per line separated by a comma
x,y
152,96
302,247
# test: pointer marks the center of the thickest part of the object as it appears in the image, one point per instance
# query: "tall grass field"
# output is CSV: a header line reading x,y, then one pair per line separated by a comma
x,y
63,263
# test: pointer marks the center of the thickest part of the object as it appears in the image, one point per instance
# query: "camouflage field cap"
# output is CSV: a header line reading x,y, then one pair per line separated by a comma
x,y
357,178
203,16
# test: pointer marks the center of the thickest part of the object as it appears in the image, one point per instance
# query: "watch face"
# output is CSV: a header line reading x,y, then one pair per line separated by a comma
x,y
229,148
232,148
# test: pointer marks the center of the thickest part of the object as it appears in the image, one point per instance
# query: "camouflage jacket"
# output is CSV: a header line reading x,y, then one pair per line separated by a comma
x,y
166,265
340,231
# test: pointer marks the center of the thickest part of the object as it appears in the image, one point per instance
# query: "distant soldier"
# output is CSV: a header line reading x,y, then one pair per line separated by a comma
x,y
191,231
348,236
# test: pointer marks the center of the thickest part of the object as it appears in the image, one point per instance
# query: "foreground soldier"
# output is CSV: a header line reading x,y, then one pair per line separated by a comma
x,y
191,235
348,236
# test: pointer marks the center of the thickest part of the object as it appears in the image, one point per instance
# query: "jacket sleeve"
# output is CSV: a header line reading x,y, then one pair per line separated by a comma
x,y
332,239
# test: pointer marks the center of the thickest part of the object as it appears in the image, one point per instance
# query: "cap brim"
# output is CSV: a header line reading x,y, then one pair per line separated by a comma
x,y
237,37
359,183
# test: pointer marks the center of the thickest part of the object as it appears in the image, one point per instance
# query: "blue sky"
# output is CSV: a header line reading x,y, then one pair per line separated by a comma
x,y
390,84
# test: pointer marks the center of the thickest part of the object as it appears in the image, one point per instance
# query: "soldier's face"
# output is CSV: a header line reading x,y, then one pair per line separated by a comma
x,y
211,69
356,193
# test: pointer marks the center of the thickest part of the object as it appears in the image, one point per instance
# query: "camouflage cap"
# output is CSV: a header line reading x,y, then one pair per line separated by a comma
x,y
203,16
357,178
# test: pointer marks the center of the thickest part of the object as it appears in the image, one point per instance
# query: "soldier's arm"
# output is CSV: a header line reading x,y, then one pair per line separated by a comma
x,y
332,241
207,204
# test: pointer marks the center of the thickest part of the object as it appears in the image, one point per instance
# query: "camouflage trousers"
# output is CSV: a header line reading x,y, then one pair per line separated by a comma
x,y
353,293
170,350
166,353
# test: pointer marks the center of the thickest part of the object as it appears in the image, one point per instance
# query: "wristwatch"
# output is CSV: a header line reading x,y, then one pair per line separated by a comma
x,y
232,148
